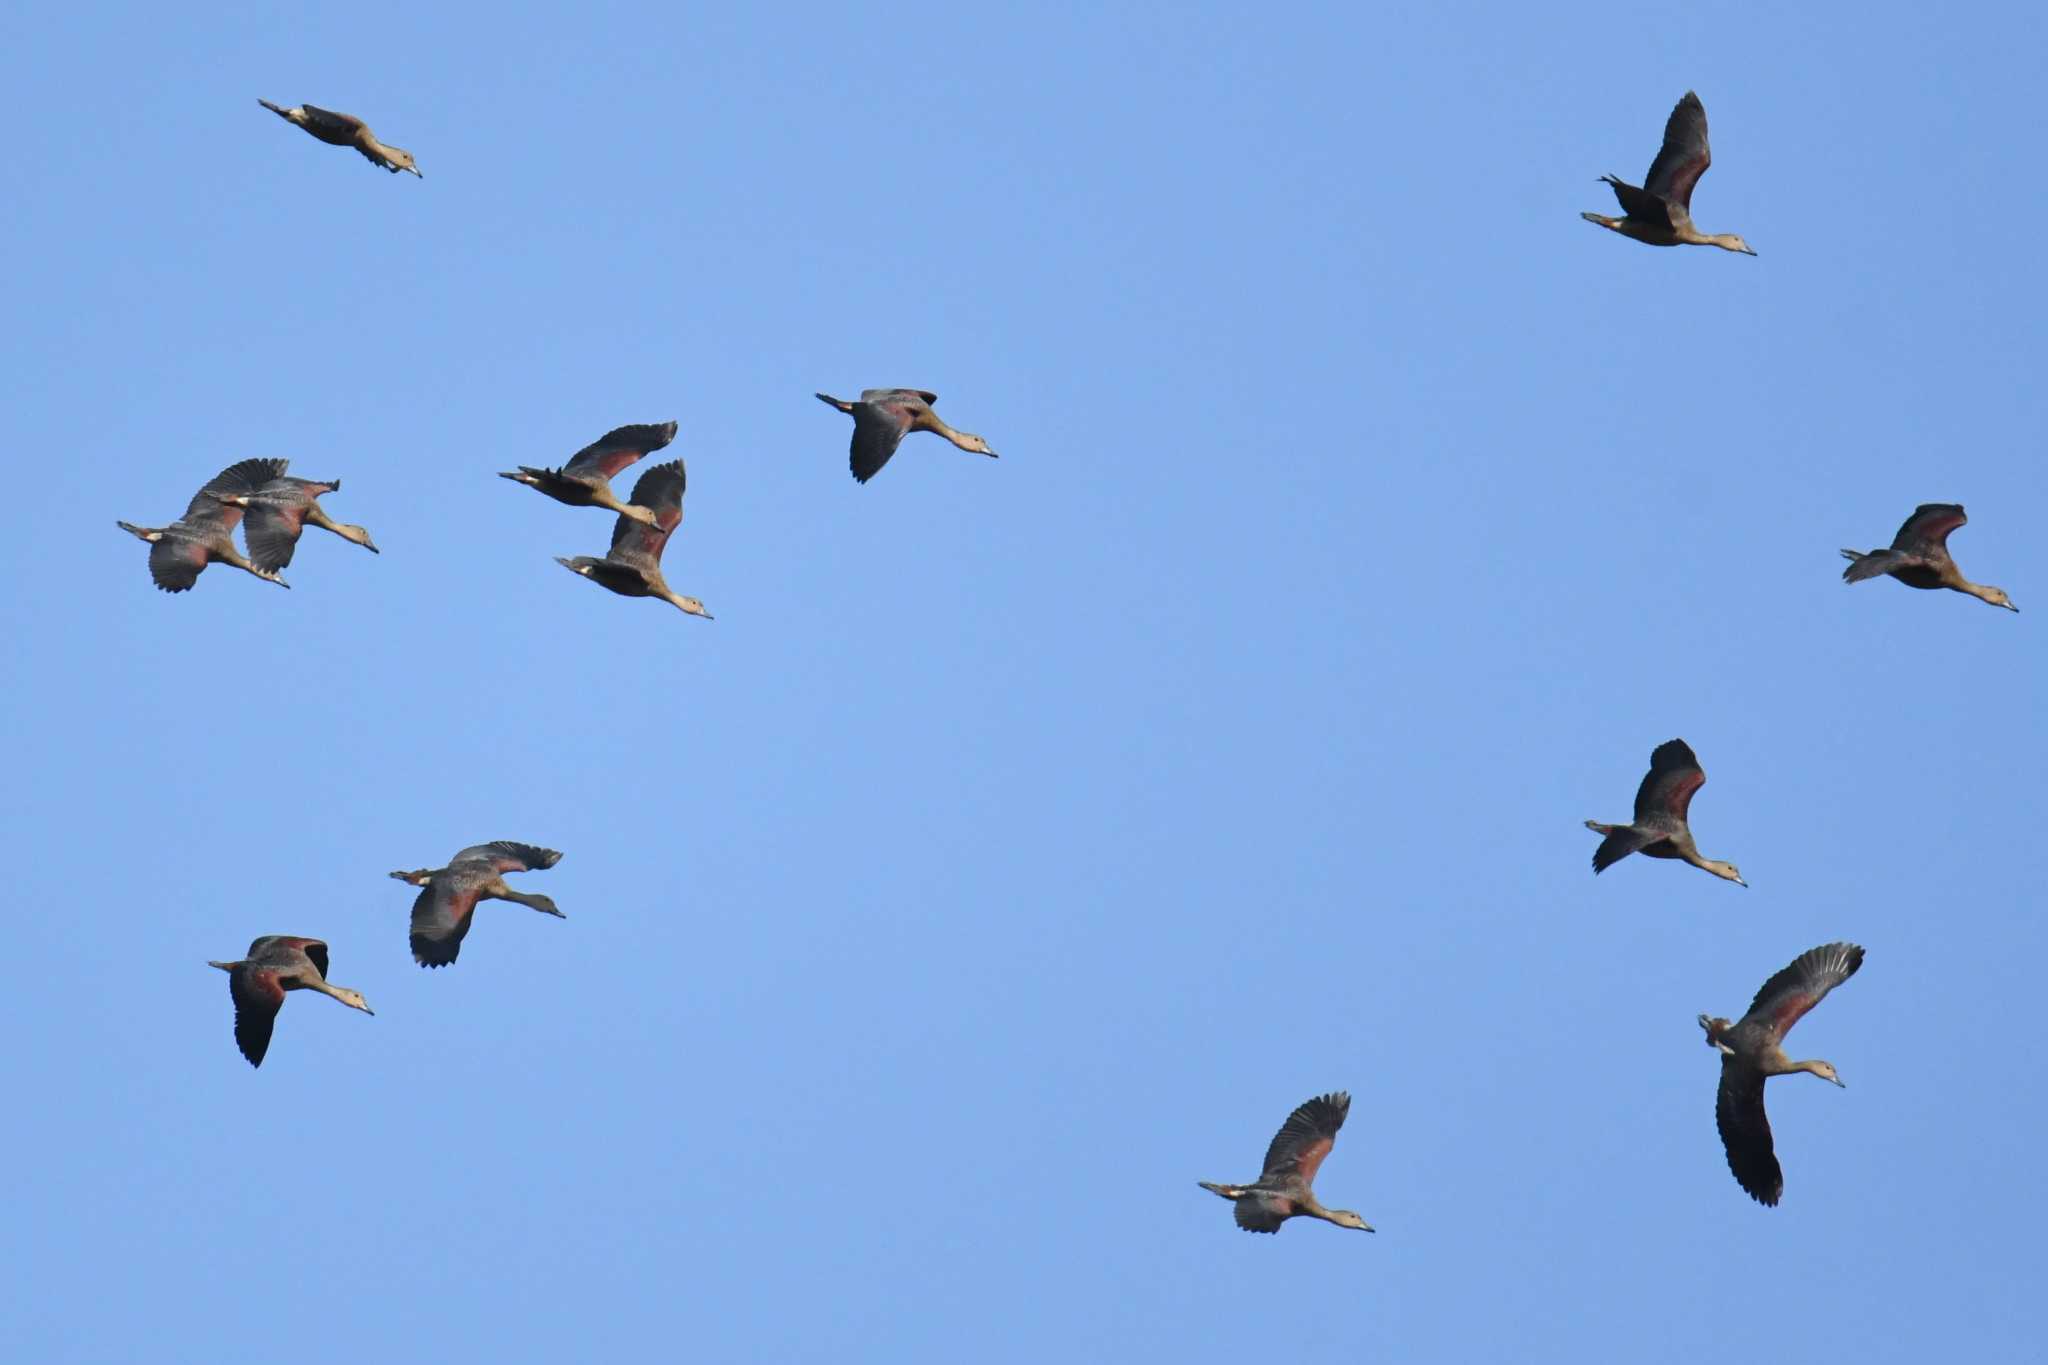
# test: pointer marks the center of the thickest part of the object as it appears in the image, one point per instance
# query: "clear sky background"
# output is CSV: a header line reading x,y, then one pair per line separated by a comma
x,y
1026,837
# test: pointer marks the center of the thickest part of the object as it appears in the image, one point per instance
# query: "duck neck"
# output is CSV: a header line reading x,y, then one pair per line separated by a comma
x,y
932,422
343,529
1983,592
1725,871
499,891
687,604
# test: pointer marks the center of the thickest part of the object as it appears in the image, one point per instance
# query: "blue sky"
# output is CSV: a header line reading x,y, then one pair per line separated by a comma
x,y
1026,837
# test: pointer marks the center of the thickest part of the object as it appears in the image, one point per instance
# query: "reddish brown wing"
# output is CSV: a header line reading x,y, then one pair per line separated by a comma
x,y
1305,1139
258,996
619,447
175,562
1684,157
273,534
660,488
1804,983
441,919
1668,787
1746,1132
503,855
879,425
1928,528
1311,1159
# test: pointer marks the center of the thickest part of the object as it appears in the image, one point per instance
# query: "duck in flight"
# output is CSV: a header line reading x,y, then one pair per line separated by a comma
x,y
883,417
1659,212
1751,1054
1296,1153
345,130
277,963
1659,829
1919,556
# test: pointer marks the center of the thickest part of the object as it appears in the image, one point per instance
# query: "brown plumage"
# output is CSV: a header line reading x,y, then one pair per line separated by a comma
x,y
883,417
1283,1189
206,533
1660,829
632,568
278,513
1750,1055
345,130
586,481
442,912
1660,212
277,963
1919,556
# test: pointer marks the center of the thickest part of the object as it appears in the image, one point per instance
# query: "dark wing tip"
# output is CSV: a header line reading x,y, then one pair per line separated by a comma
x,y
429,952
1333,1107
248,475
1763,1181
1801,984
661,486
535,858
257,997
1828,965
1673,753
1251,1214
1746,1133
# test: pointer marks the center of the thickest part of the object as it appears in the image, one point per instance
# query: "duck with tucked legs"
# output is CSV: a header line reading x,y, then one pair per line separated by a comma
x,y
279,512
1659,213
632,567
1919,556
1659,829
586,481
1750,1055
883,417
1296,1153
206,533
277,963
345,130
448,898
